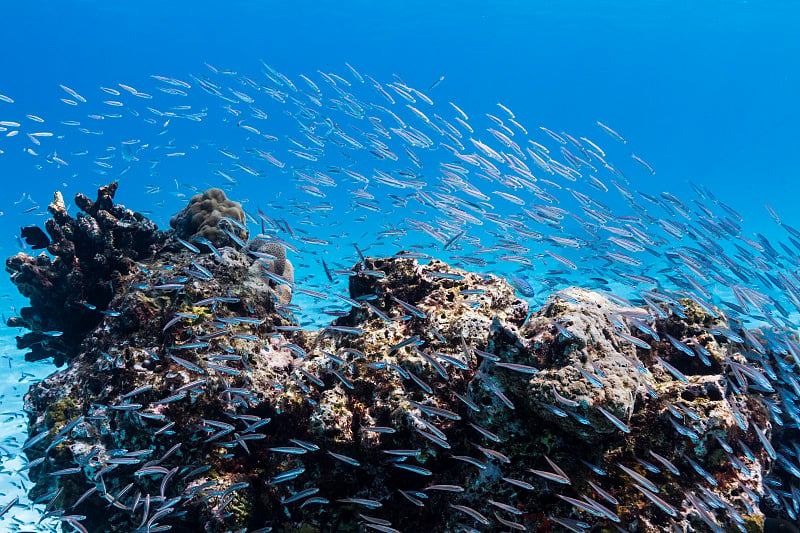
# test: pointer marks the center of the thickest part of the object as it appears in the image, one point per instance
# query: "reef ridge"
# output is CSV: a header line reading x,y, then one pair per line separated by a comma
x,y
440,402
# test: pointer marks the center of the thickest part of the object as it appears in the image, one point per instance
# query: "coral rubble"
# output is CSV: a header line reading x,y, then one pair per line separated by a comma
x,y
438,403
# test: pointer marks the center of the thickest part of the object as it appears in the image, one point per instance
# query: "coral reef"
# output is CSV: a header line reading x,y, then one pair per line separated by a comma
x,y
92,254
440,402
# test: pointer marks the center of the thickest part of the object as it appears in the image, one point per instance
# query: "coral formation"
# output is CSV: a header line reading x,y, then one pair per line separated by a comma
x,y
69,293
273,257
210,215
438,403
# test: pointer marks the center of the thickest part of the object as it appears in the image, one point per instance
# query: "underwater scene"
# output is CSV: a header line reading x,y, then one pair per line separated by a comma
x,y
400,267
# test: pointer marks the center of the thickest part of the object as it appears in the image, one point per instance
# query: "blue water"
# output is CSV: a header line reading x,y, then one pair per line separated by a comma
x,y
703,91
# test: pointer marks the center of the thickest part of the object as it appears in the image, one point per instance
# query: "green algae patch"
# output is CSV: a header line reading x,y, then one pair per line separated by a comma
x,y
60,413
754,523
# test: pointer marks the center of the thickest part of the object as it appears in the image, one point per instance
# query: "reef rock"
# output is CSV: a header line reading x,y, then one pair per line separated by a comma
x,y
439,403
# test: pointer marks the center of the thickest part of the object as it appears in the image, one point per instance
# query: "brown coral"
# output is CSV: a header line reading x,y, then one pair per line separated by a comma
x,y
205,217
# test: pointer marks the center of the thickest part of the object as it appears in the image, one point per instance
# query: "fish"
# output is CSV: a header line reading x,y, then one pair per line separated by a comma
x,y
6,507
616,136
365,502
644,164
677,374
482,191
413,468
523,286
614,420
286,476
451,241
559,476
436,83
524,369
661,504
73,94
471,513
344,458
640,478
35,237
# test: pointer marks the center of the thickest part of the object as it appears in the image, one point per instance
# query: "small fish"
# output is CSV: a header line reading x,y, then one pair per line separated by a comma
x,y
466,401
485,432
35,237
187,245
518,483
73,94
444,275
608,497
300,495
414,497
522,286
433,438
680,346
666,462
583,506
640,478
612,133
524,369
555,410
550,476
286,476
469,460
664,506
677,374
472,513
630,338
594,468
592,379
35,439
10,504
344,458
452,240
700,470
187,364
436,83
614,420
505,507
291,450
414,310
644,164
369,504
345,329
413,468
561,399
310,446
436,411
494,454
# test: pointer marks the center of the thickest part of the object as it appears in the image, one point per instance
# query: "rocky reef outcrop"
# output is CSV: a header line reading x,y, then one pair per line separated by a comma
x,y
70,289
440,402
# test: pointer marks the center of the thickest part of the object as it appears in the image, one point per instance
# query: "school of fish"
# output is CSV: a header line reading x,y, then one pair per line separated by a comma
x,y
342,169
